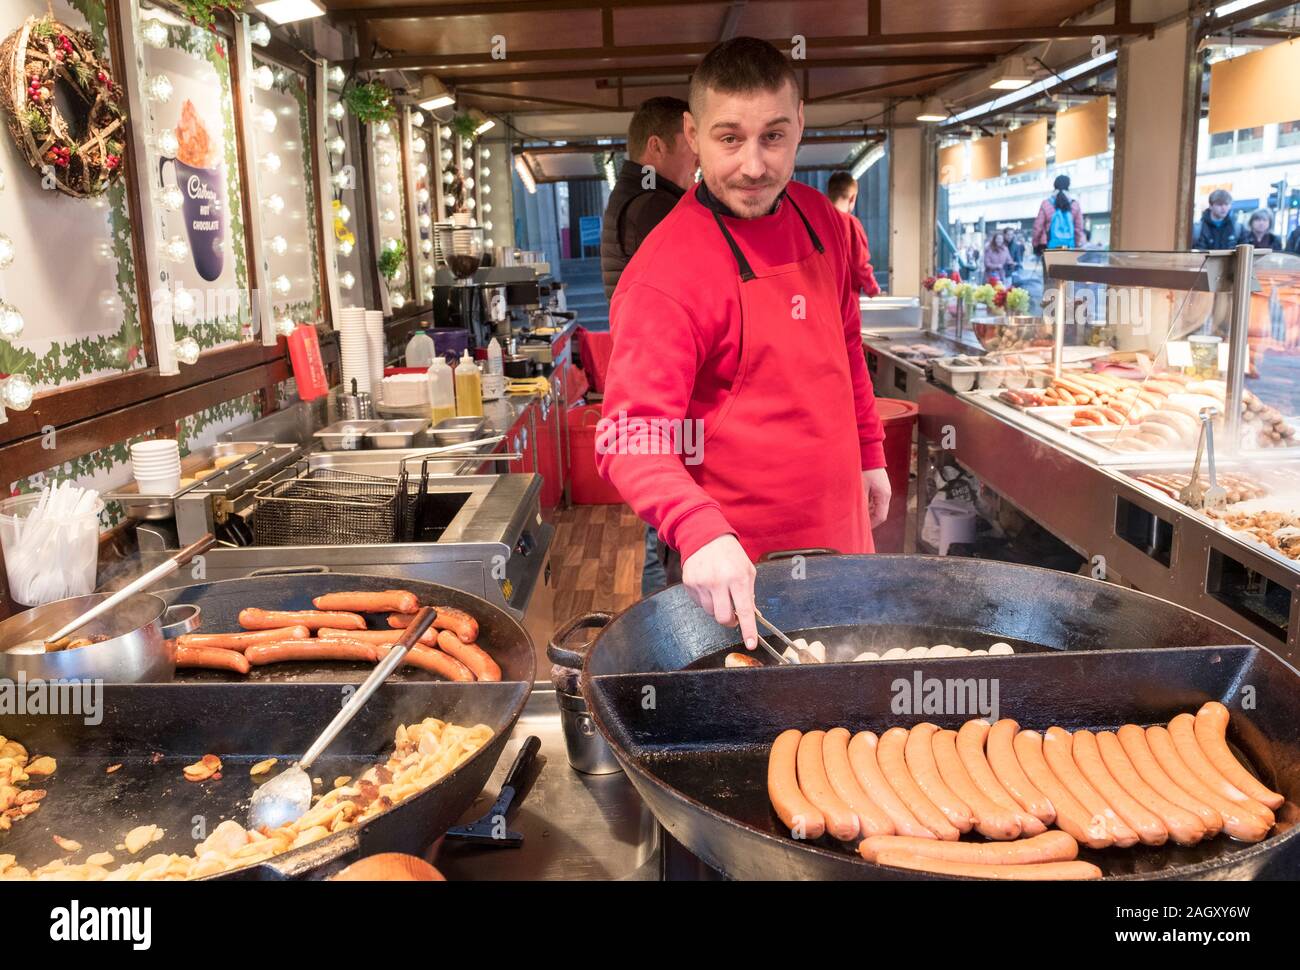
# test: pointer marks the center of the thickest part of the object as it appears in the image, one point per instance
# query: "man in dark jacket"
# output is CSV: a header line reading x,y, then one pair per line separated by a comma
x,y
1293,241
660,167
1216,230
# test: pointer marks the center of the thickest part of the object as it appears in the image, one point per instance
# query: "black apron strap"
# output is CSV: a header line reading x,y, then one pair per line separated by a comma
x,y
746,273
807,225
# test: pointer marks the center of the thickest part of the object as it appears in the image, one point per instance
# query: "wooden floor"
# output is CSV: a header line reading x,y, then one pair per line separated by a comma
x,y
596,558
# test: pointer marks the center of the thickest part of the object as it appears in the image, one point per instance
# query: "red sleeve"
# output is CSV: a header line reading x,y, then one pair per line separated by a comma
x,y
1079,236
658,348
1040,227
864,277
871,433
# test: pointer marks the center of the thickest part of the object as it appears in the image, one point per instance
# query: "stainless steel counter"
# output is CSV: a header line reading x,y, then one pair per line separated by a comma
x,y
1130,534
575,826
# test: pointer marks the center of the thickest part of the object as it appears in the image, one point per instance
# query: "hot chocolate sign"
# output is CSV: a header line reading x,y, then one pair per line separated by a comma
x,y
199,173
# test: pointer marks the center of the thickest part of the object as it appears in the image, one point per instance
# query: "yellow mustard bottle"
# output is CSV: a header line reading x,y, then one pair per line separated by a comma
x,y
469,387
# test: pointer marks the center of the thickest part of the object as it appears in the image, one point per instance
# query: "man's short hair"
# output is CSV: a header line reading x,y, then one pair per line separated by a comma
x,y
1220,197
654,116
741,65
840,185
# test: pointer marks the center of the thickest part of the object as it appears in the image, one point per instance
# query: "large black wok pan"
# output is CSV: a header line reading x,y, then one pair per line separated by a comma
x,y
153,730
694,742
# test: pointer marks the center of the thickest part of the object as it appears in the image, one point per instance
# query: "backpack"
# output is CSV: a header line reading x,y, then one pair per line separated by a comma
x,y
1060,233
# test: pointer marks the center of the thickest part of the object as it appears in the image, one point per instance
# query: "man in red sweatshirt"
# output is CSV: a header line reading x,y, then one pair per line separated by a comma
x,y
738,416
842,190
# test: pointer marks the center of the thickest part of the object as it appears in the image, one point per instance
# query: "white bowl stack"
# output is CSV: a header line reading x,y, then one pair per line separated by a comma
x,y
354,350
375,338
156,465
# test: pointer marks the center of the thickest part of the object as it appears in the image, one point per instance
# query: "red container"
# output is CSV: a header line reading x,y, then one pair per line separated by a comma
x,y
305,359
586,487
899,419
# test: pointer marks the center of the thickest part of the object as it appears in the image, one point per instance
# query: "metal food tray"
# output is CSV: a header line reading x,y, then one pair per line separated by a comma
x,y
402,433
199,467
458,430
356,434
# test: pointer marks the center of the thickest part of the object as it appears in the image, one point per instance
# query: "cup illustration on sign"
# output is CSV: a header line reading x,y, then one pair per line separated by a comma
x,y
199,175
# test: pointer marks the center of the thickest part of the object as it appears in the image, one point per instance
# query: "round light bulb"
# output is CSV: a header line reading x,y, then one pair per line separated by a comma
x,y
187,350
6,251
426,246
446,156
470,203
391,244
18,392
266,120
176,249
486,190
467,163
347,281
345,247
398,275
484,172
426,221
489,243
337,145
260,34
398,301
445,131
168,143
385,188
282,284
344,214
466,143
337,75
417,118
183,302
422,195
279,245
469,182
263,77
428,272
271,162
337,111
487,207
284,327
160,88
418,144
11,321
384,129
339,180
385,160
485,154
421,170
154,33
275,204
448,178
388,215
172,198
428,293
487,225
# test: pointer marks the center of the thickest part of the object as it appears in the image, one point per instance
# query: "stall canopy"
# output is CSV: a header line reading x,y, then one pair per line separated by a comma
x,y
608,55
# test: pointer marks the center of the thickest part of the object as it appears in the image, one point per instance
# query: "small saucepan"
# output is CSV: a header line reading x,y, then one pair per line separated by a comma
x,y
131,644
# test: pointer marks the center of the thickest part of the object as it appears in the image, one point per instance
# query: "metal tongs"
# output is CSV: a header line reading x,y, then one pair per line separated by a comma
x,y
804,656
1192,494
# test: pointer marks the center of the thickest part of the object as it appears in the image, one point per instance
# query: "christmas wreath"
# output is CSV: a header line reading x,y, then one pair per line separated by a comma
x,y
83,153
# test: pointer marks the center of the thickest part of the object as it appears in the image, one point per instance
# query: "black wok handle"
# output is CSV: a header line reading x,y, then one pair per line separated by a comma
x,y
558,652
778,554
523,761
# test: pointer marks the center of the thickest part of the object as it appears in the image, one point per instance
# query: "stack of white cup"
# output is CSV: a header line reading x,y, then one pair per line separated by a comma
x,y
354,350
375,342
156,465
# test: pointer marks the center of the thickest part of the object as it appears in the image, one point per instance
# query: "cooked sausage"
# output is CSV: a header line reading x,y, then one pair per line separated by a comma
x,y
457,621
810,766
862,758
1057,752
991,820
893,765
211,658
1211,730
242,641
970,748
1134,742
432,660
1238,821
1041,871
1007,769
374,636
1071,816
1052,846
1182,732
1184,827
742,660
470,654
799,815
872,819
1087,756
388,601
255,619
286,650
919,753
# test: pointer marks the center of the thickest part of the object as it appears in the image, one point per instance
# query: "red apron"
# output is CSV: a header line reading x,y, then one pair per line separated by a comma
x,y
781,456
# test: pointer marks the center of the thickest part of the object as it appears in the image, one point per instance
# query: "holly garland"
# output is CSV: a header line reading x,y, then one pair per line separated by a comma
x,y
35,61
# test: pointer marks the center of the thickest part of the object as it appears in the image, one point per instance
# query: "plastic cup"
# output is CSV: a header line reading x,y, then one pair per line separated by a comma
x,y
51,561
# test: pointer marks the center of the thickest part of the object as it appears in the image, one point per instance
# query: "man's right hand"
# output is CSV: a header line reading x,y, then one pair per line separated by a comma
x,y
720,578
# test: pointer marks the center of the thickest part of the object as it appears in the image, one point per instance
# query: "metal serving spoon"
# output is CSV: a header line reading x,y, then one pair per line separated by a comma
x,y
287,796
